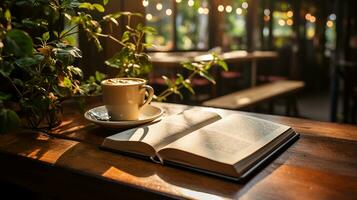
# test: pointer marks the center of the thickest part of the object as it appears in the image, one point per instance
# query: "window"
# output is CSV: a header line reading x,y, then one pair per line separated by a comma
x,y
330,34
235,35
159,14
282,24
192,24
185,19
310,26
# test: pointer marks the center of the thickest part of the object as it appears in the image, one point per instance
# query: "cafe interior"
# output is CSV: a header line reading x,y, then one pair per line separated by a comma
x,y
310,42
293,62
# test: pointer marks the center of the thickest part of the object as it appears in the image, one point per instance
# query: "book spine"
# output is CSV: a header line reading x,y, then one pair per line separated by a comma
x,y
157,159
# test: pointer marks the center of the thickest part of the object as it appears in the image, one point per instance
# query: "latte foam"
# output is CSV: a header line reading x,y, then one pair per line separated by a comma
x,y
123,81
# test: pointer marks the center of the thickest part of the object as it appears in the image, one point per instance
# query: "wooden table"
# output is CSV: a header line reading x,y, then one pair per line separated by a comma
x,y
322,164
174,59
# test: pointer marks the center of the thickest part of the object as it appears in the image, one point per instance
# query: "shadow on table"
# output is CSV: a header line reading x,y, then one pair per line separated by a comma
x,y
89,159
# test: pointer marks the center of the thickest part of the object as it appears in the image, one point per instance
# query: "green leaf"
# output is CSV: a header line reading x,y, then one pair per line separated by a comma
x,y
168,82
7,15
18,43
67,82
99,76
207,76
55,33
179,80
223,64
18,82
26,62
86,5
149,30
34,23
46,36
99,7
9,120
75,70
113,15
114,21
126,36
105,2
6,68
188,66
67,53
4,96
187,85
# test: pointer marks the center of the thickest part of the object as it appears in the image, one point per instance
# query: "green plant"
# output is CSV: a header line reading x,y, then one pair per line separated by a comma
x,y
133,61
37,62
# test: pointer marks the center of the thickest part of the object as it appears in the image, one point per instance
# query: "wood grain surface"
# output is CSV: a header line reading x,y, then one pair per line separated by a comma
x,y
67,163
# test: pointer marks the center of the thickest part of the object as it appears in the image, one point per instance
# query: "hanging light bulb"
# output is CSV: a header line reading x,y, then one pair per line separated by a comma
x,y
168,12
290,13
220,8
281,22
200,10
329,23
159,6
228,8
245,5
205,11
289,22
190,3
148,17
145,3
239,11
178,1
266,12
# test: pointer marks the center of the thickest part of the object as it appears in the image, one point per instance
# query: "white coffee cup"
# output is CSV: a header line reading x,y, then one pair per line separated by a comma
x,y
124,97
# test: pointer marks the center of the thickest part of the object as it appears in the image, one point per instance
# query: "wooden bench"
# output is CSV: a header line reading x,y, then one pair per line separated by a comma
x,y
252,96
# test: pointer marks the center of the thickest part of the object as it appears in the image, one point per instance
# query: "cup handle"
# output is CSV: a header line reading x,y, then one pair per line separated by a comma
x,y
150,91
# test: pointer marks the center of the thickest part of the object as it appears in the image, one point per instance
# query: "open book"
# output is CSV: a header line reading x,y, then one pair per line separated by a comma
x,y
229,147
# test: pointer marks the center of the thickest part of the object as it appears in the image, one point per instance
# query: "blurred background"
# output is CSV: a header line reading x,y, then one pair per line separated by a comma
x,y
312,41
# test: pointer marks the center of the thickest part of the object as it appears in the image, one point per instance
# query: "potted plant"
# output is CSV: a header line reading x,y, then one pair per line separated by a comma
x,y
38,62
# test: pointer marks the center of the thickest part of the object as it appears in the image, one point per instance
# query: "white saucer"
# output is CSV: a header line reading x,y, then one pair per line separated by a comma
x,y
99,115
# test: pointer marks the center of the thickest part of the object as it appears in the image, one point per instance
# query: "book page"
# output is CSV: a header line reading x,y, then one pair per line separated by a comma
x,y
230,139
168,129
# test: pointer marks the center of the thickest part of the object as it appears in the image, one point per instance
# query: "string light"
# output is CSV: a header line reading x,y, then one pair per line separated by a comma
x,y
290,13
245,5
228,9
329,23
178,1
333,17
200,10
308,16
148,17
312,19
190,3
266,18
220,8
205,11
281,22
266,12
289,22
239,11
145,3
159,6
168,12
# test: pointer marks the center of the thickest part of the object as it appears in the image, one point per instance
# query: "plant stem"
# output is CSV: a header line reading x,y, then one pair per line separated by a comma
x,y
168,91
14,86
112,38
69,30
